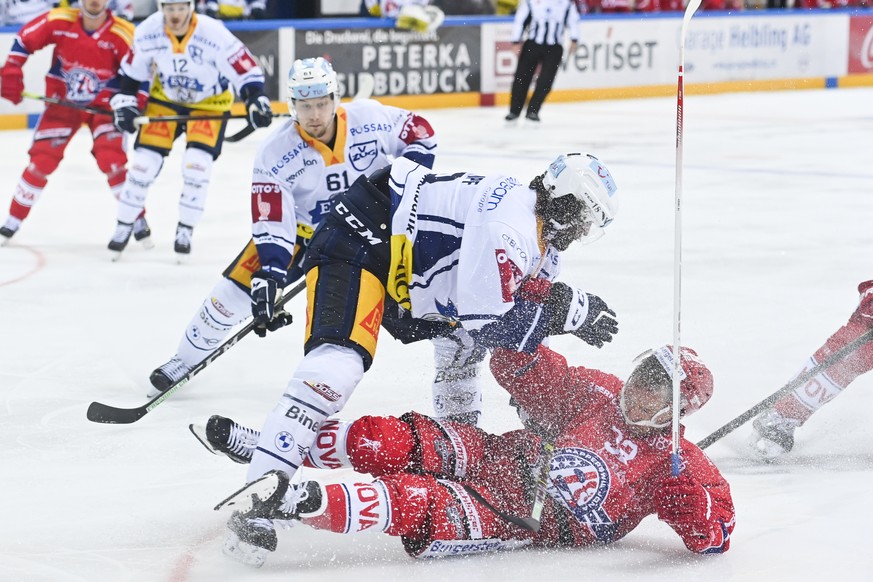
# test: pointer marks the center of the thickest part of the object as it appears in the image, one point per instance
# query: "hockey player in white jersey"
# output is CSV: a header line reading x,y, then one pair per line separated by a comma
x,y
406,245
191,61
418,15
305,162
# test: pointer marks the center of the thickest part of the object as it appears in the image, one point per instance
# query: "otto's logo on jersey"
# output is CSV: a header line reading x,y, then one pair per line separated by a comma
x,y
509,273
242,61
415,129
362,155
266,203
82,85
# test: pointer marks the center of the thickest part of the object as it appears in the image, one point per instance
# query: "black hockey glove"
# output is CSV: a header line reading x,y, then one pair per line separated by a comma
x,y
124,111
582,314
258,107
266,290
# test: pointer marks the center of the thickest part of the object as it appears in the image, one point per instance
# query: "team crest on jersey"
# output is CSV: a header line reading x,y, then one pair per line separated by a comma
x,y
82,85
196,53
362,155
579,480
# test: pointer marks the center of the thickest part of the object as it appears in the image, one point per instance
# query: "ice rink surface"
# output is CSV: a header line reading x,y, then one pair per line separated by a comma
x,y
777,234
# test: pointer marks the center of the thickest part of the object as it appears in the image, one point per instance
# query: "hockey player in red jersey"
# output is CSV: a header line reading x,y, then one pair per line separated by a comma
x,y
89,44
609,467
773,429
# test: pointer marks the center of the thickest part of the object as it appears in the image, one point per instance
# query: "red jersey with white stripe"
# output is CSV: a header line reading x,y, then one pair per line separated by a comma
x,y
84,65
603,477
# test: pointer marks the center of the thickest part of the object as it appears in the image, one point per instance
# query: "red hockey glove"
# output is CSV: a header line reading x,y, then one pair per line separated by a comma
x,y
683,503
11,82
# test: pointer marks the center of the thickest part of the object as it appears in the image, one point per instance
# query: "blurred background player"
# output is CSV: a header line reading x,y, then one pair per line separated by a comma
x,y
545,21
22,11
418,15
773,429
89,45
233,9
446,250
333,145
440,484
191,62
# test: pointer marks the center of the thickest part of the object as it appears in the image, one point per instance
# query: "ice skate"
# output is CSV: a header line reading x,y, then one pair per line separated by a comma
x,y
532,116
123,230
142,233
183,242
773,434
252,533
9,228
164,377
223,436
511,118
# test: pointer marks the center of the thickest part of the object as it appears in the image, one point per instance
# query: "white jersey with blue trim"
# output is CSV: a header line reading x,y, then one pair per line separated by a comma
x,y
204,64
295,175
475,240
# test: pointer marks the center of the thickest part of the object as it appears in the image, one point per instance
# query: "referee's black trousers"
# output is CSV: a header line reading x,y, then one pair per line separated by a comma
x,y
548,58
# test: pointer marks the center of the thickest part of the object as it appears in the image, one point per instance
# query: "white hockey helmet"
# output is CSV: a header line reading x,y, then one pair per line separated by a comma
x,y
162,3
310,79
589,181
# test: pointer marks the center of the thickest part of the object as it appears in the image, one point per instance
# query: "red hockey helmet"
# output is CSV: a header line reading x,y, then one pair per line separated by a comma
x,y
695,384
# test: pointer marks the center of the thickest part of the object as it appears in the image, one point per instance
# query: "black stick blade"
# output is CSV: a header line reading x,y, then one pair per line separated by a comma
x,y
105,414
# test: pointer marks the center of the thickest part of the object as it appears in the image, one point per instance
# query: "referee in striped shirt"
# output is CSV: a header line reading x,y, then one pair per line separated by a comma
x,y
546,21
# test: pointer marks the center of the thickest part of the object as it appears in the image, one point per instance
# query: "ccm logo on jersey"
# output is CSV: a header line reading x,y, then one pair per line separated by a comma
x,y
416,128
266,202
509,273
242,61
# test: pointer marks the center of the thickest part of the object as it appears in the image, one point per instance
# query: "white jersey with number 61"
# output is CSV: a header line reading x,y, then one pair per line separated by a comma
x,y
295,175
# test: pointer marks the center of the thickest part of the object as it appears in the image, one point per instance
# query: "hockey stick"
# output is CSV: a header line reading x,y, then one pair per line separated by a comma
x,y
366,84
105,414
692,7
532,522
68,104
798,381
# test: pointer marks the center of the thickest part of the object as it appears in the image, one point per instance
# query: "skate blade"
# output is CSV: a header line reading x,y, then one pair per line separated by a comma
x,y
147,243
243,552
199,432
115,256
241,500
182,259
4,241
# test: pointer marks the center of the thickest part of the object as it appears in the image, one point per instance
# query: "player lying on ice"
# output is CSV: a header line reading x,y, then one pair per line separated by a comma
x,y
609,469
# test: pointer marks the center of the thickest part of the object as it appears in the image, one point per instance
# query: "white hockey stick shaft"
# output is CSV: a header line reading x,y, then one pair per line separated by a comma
x,y
692,7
